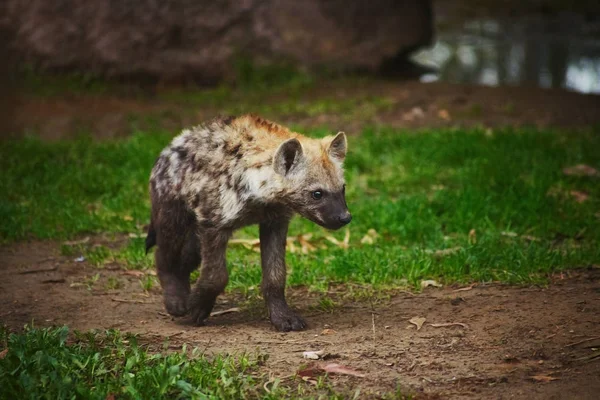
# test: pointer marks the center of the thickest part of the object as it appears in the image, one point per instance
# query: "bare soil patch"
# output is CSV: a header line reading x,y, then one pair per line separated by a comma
x,y
515,342
410,105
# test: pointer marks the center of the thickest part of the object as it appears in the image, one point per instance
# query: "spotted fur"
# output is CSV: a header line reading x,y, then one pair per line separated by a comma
x,y
229,173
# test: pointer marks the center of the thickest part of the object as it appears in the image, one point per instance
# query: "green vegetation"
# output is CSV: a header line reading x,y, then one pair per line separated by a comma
x,y
248,77
52,364
422,194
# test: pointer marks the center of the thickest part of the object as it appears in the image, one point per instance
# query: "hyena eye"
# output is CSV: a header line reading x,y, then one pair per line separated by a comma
x,y
317,194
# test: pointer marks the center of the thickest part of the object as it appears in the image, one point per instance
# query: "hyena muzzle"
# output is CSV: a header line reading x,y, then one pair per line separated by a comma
x,y
229,173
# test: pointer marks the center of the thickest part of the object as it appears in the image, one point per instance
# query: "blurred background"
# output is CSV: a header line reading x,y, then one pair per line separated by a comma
x,y
101,66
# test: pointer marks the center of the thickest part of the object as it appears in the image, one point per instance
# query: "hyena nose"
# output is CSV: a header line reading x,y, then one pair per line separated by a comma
x,y
345,218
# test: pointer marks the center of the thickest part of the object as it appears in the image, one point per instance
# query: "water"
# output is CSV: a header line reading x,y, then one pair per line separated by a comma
x,y
557,52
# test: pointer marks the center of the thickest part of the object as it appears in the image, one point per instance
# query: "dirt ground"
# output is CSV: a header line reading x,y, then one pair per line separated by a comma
x,y
514,342
410,105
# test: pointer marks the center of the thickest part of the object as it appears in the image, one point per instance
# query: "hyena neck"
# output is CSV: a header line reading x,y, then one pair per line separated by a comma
x,y
261,185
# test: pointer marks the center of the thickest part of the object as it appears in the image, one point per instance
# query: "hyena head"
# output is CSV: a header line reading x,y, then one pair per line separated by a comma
x,y
313,179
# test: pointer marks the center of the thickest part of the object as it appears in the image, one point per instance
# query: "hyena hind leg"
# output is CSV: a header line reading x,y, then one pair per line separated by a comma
x,y
213,275
177,256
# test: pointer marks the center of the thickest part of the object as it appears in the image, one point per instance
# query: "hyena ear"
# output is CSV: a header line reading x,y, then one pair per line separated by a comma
x,y
287,156
338,146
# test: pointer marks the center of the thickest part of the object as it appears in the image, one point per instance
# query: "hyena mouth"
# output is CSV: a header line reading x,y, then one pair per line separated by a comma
x,y
334,223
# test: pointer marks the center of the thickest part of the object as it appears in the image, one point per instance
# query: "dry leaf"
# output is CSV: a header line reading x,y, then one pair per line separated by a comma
x,y
310,371
328,332
531,238
313,355
250,244
430,282
417,321
75,242
136,235
340,369
446,324
509,234
414,113
3,353
110,396
472,236
344,244
444,114
135,273
310,380
543,378
464,289
291,247
447,252
367,240
127,218
578,196
581,170
370,237
306,247
229,310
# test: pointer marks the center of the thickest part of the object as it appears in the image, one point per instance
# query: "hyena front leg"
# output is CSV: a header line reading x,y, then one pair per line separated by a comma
x,y
272,248
213,274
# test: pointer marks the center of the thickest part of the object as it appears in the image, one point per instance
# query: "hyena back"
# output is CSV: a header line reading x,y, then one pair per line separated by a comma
x,y
229,173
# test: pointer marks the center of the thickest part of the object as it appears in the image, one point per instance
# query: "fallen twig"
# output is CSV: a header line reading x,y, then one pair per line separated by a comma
x,y
76,242
464,289
229,310
373,322
59,280
595,356
265,386
450,324
36,271
129,301
583,341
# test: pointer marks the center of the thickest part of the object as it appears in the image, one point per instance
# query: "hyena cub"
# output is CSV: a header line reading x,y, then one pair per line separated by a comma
x,y
229,173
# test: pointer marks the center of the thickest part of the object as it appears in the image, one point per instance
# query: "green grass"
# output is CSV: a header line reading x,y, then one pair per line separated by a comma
x,y
280,101
251,78
54,364
420,192
270,90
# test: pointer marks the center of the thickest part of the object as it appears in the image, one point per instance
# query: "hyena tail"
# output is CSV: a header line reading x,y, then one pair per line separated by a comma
x,y
151,237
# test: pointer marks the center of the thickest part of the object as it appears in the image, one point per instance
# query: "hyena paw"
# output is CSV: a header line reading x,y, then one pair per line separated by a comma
x,y
285,321
176,305
199,315
200,307
175,293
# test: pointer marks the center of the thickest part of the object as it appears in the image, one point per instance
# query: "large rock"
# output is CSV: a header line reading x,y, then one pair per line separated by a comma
x,y
201,38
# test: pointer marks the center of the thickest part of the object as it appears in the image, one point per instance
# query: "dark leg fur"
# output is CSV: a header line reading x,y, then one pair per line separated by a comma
x,y
213,274
178,253
150,238
272,248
